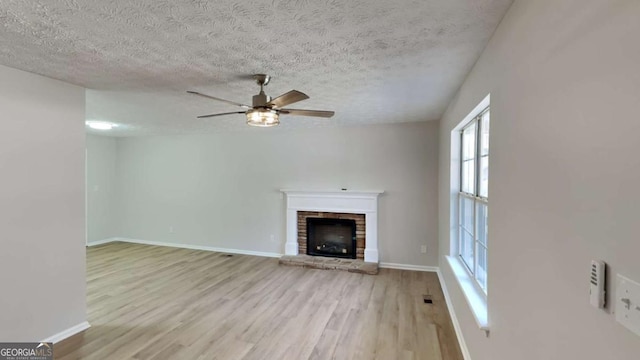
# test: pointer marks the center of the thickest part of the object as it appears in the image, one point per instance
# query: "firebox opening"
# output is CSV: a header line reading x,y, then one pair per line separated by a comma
x,y
331,237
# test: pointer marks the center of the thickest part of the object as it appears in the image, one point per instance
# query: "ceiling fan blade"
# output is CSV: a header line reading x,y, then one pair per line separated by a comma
x,y
291,97
218,99
212,115
317,113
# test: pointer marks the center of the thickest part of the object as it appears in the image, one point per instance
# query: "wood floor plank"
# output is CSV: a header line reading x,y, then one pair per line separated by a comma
x,y
150,302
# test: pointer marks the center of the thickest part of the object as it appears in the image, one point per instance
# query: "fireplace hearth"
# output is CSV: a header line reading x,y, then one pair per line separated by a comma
x,y
331,237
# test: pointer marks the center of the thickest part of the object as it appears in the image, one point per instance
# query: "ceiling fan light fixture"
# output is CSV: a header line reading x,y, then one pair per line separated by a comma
x,y
263,117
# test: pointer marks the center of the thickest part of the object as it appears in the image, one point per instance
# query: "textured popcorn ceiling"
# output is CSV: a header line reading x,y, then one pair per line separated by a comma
x,y
371,61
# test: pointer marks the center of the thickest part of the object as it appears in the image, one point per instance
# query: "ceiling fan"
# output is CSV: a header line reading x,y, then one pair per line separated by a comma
x,y
265,111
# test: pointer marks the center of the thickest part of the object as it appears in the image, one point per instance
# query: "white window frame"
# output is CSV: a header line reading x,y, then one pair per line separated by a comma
x,y
477,199
474,295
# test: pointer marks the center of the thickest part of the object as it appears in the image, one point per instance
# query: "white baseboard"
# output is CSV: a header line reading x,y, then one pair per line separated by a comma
x,y
103,241
454,318
385,265
68,332
196,247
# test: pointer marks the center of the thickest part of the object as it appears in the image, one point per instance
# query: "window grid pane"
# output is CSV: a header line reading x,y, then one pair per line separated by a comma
x,y
483,169
469,142
460,227
482,212
484,176
481,270
467,249
468,171
468,176
484,136
466,215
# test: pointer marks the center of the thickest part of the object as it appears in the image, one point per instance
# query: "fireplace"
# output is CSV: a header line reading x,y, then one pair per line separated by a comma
x,y
331,237
363,205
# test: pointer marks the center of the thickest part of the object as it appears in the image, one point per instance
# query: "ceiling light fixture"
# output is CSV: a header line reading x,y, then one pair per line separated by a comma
x,y
100,125
263,117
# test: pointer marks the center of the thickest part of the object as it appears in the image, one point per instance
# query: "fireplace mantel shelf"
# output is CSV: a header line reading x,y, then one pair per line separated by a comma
x,y
341,201
349,193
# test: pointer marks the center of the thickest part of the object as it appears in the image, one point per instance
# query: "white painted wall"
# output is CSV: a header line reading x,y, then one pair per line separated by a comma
x,y
222,190
564,80
101,188
42,252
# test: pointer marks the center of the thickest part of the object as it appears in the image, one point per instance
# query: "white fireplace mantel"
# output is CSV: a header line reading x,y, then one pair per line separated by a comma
x,y
348,201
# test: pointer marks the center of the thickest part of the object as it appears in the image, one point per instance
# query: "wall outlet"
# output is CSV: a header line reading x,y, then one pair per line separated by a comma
x,y
628,303
423,249
272,238
171,230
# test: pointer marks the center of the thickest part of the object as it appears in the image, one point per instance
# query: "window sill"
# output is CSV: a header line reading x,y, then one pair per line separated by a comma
x,y
476,299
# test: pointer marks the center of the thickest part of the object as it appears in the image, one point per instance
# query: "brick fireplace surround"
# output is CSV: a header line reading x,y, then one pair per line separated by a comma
x,y
360,228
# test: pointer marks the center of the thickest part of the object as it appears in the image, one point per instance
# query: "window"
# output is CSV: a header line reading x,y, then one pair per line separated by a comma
x,y
473,197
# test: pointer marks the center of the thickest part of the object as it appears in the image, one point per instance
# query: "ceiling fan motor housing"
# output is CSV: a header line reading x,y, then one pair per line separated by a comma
x,y
261,100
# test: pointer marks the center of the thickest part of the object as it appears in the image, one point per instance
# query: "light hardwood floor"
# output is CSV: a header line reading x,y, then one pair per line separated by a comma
x,y
150,302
